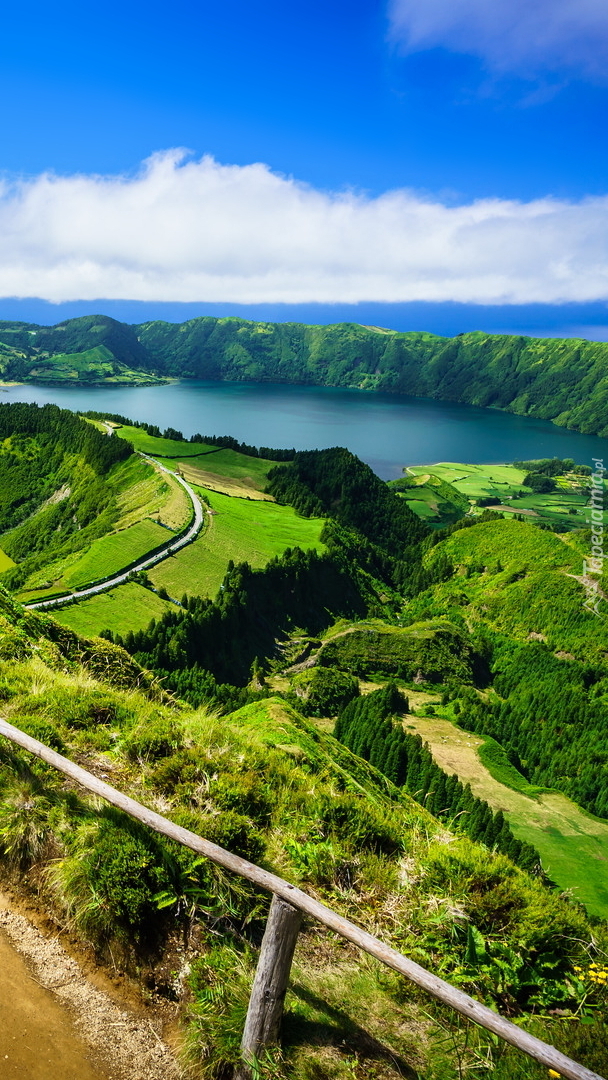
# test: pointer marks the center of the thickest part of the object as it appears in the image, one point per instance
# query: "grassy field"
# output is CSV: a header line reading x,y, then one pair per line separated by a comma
x,y
129,607
573,845
240,530
110,554
474,480
5,561
206,469
97,365
146,499
565,506
144,491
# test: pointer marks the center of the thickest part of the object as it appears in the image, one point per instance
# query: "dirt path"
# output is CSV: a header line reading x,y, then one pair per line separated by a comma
x,y
57,1026
37,1038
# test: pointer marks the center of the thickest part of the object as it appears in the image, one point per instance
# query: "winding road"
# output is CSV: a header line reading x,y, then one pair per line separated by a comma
x,y
169,549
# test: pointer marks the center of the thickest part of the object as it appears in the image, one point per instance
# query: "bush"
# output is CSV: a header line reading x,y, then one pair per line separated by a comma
x,y
235,833
361,823
110,879
39,728
244,792
323,691
156,738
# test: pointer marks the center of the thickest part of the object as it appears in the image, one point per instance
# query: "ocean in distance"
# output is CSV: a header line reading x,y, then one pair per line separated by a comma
x,y
388,431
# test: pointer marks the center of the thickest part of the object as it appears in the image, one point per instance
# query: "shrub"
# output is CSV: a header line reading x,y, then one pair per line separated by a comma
x,y
362,823
110,880
153,739
323,691
24,824
39,728
244,792
235,833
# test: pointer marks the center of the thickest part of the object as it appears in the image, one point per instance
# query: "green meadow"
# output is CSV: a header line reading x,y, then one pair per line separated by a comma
x,y
5,562
110,554
106,556
223,463
239,529
128,607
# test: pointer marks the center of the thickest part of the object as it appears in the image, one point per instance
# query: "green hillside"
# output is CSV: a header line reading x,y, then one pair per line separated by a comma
x,y
76,505
462,790
552,379
295,799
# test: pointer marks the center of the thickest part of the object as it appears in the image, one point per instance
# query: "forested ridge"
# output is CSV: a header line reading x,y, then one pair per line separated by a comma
x,y
554,379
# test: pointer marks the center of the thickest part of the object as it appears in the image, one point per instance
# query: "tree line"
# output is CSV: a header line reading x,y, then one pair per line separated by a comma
x,y
371,728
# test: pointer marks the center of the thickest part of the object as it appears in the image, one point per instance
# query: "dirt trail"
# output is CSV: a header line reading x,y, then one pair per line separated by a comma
x,y
37,1037
57,1024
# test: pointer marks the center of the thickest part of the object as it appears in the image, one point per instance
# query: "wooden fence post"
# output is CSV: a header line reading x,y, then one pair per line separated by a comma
x,y
269,984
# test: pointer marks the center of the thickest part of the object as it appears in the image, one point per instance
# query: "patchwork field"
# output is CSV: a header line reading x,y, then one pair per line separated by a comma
x,y
129,607
241,530
204,464
93,366
565,506
573,845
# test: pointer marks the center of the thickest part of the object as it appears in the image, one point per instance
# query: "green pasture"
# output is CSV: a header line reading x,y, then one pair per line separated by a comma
x,y
91,365
239,529
5,561
149,444
222,462
424,506
475,481
112,553
128,607
566,506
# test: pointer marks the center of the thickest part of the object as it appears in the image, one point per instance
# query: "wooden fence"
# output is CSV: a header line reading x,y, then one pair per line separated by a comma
x,y
288,905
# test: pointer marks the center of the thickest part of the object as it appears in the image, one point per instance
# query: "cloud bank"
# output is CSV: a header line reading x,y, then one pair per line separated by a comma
x,y
525,36
184,230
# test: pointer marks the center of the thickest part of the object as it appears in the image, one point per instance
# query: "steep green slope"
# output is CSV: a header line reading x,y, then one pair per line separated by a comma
x,y
268,785
517,591
76,504
560,380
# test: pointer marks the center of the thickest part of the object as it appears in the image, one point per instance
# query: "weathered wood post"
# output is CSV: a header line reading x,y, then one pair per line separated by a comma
x,y
270,983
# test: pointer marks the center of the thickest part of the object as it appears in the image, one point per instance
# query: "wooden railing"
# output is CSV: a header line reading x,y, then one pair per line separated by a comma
x,y
288,905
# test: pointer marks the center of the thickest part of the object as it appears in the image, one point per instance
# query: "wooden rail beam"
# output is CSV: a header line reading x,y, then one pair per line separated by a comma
x,y
438,988
270,984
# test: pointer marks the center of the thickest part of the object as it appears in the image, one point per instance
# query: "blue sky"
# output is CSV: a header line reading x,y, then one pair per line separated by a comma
x,y
426,162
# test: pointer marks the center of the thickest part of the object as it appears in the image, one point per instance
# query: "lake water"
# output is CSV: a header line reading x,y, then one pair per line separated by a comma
x,y
387,431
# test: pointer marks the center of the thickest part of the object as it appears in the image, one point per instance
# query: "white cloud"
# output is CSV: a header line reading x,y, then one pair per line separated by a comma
x,y
525,36
200,231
